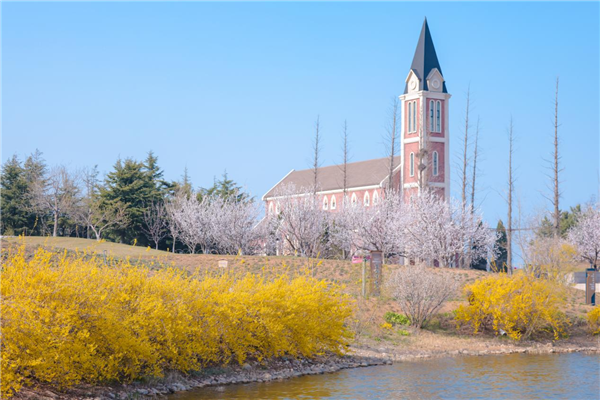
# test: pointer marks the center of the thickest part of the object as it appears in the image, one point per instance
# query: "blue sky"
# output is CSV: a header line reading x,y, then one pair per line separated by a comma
x,y
238,86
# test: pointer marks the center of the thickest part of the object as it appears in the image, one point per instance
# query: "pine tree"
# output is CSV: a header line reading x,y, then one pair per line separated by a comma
x,y
224,188
13,195
501,243
131,185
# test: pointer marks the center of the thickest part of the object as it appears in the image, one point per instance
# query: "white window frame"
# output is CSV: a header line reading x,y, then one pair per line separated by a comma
x,y
333,202
375,197
431,116
325,203
438,116
411,166
436,163
412,116
277,208
366,199
353,200
270,207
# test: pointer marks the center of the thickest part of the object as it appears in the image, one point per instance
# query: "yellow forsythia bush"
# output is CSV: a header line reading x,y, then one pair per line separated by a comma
x,y
521,305
68,319
594,320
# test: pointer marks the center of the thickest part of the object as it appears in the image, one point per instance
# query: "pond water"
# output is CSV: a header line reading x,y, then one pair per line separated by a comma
x,y
515,376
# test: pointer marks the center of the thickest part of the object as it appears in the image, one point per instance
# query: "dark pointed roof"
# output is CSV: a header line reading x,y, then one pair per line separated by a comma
x,y
425,58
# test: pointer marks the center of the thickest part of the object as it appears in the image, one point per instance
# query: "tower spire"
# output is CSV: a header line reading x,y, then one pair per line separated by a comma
x,y
425,58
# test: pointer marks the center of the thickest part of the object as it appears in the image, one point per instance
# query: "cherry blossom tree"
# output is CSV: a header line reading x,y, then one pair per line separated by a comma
x,y
234,225
376,227
444,231
585,236
301,222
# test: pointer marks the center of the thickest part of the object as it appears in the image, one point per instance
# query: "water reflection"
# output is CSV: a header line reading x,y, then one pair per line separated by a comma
x,y
516,376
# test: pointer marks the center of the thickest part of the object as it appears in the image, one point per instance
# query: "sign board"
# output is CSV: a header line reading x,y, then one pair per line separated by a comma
x,y
590,286
222,263
376,266
357,259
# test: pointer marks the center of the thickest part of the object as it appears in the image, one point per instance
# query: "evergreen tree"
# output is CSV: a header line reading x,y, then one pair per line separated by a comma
x,y
131,185
501,243
224,188
13,197
568,219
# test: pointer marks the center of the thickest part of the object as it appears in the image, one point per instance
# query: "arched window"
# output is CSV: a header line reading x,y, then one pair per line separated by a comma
x,y
353,200
333,202
277,208
325,203
375,197
431,109
435,163
412,164
366,200
270,208
438,116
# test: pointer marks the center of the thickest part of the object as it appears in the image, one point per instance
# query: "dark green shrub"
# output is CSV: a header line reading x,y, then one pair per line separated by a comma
x,y
396,319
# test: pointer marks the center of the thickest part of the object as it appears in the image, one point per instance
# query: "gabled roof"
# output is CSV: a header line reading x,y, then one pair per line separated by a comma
x,y
425,59
359,174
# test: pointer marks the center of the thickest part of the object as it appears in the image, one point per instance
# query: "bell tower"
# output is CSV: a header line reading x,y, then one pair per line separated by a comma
x,y
425,132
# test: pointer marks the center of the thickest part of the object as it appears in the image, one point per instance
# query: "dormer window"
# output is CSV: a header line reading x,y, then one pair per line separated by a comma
x,y
366,200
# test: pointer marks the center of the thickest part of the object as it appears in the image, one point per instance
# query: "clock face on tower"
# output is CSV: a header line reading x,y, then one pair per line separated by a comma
x,y
413,84
435,83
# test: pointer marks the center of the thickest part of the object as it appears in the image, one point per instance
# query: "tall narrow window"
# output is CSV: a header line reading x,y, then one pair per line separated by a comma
x,y
375,198
354,200
410,116
412,164
333,202
435,163
438,116
431,109
414,116
325,203
366,200
270,208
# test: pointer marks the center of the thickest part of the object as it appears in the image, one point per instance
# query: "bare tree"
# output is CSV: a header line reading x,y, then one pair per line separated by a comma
x,y
421,293
585,236
556,168
345,159
155,225
475,153
316,156
59,195
511,185
100,216
465,160
392,133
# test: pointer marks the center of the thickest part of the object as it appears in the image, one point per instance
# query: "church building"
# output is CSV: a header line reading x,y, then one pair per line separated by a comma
x,y
424,146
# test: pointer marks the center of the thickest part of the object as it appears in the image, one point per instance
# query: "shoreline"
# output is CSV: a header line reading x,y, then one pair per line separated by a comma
x,y
285,368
